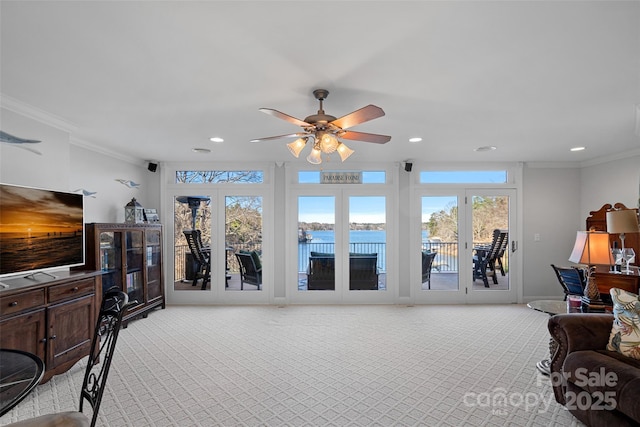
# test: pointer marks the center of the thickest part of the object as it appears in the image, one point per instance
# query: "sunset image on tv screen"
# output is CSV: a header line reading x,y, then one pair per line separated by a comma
x,y
39,229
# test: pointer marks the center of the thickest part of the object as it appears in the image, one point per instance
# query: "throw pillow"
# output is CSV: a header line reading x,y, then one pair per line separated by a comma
x,y
625,333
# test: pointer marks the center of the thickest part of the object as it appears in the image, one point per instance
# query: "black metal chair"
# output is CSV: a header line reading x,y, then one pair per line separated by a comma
x,y
486,258
114,305
427,263
249,272
201,256
572,280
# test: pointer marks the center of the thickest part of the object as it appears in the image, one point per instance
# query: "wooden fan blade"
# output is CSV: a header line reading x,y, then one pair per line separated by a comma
x,y
271,138
366,137
362,115
285,117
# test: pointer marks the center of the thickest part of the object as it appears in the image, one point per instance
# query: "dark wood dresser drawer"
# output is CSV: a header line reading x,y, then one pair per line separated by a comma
x,y
71,290
21,302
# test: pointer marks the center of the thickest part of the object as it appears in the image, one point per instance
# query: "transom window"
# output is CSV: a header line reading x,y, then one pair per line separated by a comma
x,y
464,177
215,177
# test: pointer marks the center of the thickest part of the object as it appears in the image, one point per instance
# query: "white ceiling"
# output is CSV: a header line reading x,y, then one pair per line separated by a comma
x,y
153,79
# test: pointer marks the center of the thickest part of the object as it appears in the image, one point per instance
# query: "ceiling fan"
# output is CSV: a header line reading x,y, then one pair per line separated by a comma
x,y
324,130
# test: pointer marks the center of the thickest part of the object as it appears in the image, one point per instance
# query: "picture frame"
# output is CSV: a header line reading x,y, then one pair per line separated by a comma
x,y
151,216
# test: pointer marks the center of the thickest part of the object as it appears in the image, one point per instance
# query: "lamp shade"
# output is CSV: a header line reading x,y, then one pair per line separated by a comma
x,y
344,151
315,157
592,248
622,221
296,146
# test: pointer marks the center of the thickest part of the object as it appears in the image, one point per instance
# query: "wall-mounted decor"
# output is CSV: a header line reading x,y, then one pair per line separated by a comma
x,y
20,142
86,193
128,183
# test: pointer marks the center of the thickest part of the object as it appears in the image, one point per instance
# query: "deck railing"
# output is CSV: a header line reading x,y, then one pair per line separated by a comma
x,y
180,260
446,260
305,249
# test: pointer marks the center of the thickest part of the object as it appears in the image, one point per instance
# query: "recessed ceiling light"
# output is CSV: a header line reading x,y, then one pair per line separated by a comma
x,y
485,148
216,139
201,150
415,139
578,148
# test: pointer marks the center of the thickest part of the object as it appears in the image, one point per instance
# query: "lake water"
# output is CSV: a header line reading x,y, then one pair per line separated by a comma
x,y
356,236
360,241
39,251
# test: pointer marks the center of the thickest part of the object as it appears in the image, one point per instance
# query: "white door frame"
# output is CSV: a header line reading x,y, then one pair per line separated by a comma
x,y
341,294
218,193
513,188
493,296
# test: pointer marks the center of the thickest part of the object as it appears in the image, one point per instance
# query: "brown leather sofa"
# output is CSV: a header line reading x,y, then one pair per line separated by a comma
x,y
599,387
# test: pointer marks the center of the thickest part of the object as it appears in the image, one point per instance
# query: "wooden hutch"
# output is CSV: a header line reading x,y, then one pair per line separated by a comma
x,y
604,278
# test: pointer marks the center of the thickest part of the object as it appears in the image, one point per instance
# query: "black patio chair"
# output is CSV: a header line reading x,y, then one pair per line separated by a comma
x,y
114,304
201,256
427,263
249,272
501,251
486,258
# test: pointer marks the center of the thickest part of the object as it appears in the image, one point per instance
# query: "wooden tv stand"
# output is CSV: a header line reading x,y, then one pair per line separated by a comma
x,y
51,317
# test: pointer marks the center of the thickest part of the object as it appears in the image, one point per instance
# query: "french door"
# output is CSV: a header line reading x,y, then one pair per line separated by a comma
x,y
458,260
341,249
229,221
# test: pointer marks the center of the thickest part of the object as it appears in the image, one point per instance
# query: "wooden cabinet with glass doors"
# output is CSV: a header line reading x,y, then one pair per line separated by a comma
x,y
130,256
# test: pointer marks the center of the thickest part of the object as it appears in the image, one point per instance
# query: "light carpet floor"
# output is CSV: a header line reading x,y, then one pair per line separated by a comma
x,y
470,365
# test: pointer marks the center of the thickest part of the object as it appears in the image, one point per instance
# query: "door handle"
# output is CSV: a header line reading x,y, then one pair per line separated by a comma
x,y
514,246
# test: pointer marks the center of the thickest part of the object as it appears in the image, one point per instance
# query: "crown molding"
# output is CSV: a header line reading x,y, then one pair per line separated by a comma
x,y
98,149
37,114
611,158
553,165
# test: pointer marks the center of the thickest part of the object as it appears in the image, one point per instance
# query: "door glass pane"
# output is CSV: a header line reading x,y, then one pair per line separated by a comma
x,y
243,243
490,228
134,256
316,243
367,243
439,267
111,259
191,213
154,265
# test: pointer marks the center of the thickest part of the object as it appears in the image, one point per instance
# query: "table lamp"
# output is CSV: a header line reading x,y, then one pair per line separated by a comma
x,y
622,221
592,248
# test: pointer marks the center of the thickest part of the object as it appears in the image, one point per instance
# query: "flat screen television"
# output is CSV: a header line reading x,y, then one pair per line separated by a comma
x,y
40,230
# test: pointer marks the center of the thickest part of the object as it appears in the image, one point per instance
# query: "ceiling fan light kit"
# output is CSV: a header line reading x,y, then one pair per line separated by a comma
x,y
296,146
324,130
315,158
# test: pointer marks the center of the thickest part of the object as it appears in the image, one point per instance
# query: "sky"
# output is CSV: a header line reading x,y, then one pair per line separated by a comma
x,y
362,209
31,210
372,209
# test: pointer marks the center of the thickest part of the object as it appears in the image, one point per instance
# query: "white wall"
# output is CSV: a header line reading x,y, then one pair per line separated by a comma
x,y
557,202
551,204
21,167
611,182
63,166
99,173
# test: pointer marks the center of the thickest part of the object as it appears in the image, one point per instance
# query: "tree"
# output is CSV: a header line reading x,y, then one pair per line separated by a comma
x,y
489,213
